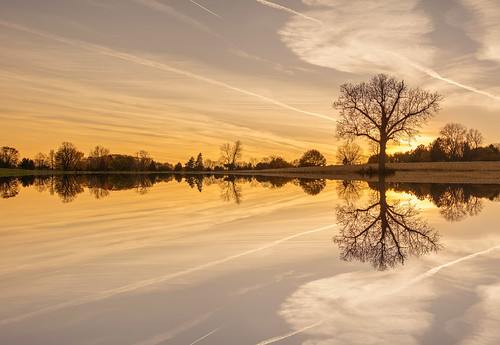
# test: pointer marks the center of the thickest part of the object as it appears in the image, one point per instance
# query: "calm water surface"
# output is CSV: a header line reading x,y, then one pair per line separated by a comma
x,y
161,260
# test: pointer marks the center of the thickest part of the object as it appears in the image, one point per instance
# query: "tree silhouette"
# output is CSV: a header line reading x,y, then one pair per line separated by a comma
x,y
382,234
312,158
9,157
382,110
349,153
230,154
68,157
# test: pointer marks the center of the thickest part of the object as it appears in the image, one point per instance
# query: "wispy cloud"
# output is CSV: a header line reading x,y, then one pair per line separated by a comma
x,y
153,64
289,10
367,38
484,28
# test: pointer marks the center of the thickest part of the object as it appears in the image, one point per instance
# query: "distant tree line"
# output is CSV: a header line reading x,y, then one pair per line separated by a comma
x,y
68,158
456,143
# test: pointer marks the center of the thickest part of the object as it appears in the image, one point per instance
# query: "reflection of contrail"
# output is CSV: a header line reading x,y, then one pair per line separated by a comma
x,y
145,62
286,9
206,335
436,269
284,336
144,283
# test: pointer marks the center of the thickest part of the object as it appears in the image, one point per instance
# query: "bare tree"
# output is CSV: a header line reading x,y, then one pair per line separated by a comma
x,y
143,160
99,158
229,154
41,161
349,153
68,157
382,110
454,137
474,138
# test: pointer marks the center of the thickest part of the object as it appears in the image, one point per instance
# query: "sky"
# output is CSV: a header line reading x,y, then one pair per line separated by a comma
x,y
179,77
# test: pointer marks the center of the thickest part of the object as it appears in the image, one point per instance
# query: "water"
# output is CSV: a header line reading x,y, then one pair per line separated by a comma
x,y
233,260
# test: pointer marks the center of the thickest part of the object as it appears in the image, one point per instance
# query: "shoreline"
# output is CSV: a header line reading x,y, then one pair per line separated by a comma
x,y
425,172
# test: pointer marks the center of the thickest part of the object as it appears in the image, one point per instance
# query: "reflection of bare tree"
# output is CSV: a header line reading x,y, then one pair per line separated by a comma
x,y
9,187
69,186
312,186
382,234
349,190
230,190
98,185
455,205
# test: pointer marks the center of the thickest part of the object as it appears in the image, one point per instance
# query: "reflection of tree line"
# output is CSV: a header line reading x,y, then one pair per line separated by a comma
x,y
455,201
385,234
67,187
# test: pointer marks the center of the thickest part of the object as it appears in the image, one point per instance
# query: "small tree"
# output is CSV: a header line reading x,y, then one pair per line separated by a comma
x,y
349,153
27,163
454,137
382,110
229,154
312,158
198,165
98,158
474,138
41,161
189,166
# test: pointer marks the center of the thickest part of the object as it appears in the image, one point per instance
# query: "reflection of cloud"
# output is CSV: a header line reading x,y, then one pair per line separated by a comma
x,y
353,309
156,280
375,308
485,315
153,64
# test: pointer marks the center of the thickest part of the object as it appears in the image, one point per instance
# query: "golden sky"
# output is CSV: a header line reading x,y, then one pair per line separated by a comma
x,y
180,77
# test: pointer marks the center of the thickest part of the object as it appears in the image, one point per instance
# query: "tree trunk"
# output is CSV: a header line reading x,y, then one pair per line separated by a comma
x,y
381,156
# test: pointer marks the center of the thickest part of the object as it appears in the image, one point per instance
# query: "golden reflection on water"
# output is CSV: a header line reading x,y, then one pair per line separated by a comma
x,y
75,255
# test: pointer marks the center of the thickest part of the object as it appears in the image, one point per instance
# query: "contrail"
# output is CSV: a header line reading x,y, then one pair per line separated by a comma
x,y
144,283
158,6
206,335
206,9
286,9
281,337
432,73
436,75
146,62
